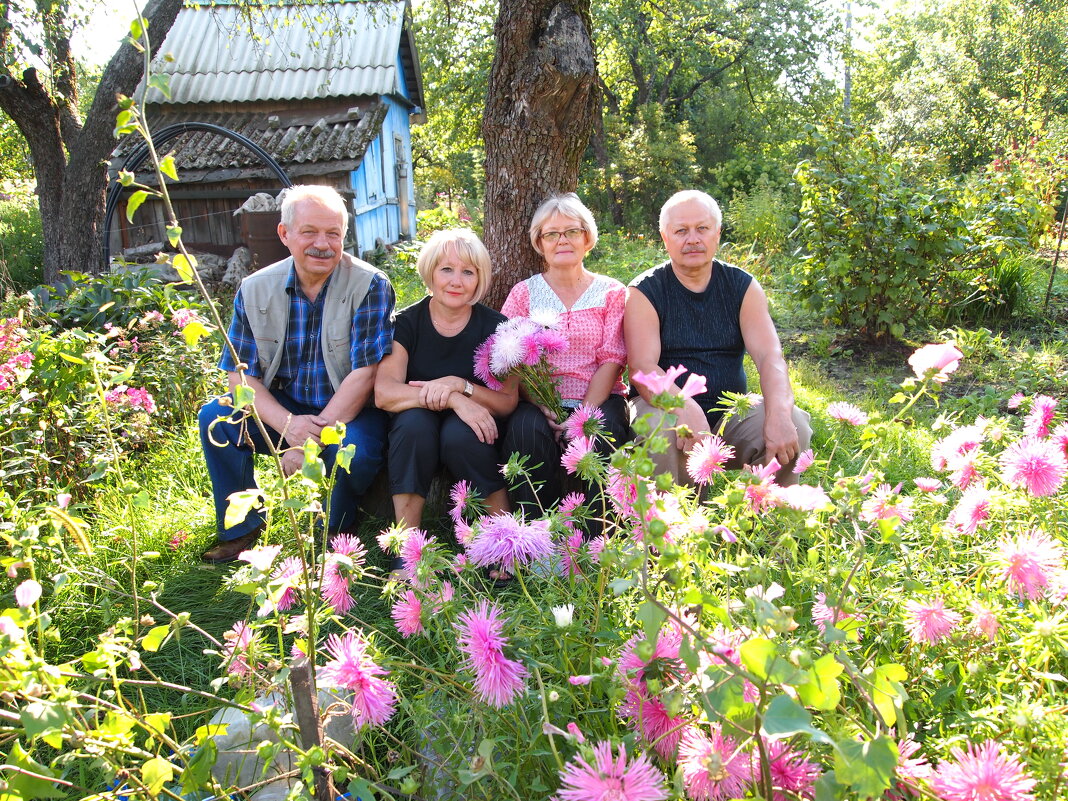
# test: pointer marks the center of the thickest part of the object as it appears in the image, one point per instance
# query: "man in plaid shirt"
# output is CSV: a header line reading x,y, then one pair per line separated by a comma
x,y
308,332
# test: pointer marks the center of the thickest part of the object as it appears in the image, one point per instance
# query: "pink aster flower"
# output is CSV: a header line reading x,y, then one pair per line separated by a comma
x,y
574,457
712,766
576,732
1015,401
416,544
1028,562
972,510
611,778
343,564
349,545
884,503
1060,437
912,770
929,622
506,541
657,726
623,492
483,372
571,502
761,494
957,443
261,558
28,593
498,679
579,681
804,461
792,774
239,643
984,621
407,613
965,473
1036,424
459,496
924,484
939,359
286,575
659,382
982,773
707,458
823,614
847,413
1039,465
585,421
803,497
374,698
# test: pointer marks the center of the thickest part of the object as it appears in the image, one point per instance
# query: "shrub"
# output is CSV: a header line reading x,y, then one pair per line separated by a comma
x,y
761,216
21,243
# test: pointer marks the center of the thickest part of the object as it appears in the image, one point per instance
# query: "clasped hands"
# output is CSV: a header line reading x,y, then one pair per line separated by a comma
x,y
448,393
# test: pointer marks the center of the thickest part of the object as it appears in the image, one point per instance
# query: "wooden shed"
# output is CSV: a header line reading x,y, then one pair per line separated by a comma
x,y
329,90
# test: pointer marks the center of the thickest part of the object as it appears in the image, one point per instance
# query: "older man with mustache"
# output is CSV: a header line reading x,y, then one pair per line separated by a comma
x,y
310,330
702,314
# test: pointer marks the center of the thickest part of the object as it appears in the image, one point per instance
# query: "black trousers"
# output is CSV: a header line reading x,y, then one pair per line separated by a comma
x,y
529,434
420,440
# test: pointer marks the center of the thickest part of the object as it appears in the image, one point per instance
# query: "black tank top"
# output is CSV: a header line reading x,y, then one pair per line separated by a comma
x,y
700,330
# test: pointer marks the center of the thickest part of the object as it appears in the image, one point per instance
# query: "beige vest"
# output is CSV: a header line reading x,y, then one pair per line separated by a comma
x,y
267,309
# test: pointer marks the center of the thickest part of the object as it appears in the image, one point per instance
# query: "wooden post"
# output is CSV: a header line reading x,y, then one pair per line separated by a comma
x,y
306,706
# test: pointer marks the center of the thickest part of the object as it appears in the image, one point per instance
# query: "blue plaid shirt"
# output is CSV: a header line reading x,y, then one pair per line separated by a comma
x,y
302,375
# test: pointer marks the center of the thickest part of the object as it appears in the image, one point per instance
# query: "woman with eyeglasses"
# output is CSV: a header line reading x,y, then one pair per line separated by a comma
x,y
589,310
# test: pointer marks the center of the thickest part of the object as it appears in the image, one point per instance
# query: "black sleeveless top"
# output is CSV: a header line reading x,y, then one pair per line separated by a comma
x,y
701,330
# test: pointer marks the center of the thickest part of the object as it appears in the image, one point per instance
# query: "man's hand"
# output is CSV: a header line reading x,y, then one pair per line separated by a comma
x,y
292,461
434,395
477,417
694,419
780,437
302,427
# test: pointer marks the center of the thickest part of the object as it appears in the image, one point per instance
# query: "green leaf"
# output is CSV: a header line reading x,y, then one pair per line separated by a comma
x,y
155,773
652,617
758,655
345,456
330,435
194,332
163,83
208,731
828,789
158,721
21,787
44,719
239,504
359,788
155,638
785,717
174,233
185,267
688,655
134,203
888,692
72,359
197,772
137,28
244,395
867,767
822,691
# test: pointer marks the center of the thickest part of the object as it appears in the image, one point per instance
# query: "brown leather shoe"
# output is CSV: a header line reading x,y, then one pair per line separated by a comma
x,y
227,550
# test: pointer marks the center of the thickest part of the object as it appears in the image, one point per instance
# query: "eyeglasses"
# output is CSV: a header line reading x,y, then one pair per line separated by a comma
x,y
573,235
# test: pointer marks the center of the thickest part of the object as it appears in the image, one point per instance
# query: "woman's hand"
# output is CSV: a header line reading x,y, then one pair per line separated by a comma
x,y
556,426
477,417
434,395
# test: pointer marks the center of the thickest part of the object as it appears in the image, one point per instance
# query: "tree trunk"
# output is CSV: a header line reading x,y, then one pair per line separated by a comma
x,y
541,104
70,160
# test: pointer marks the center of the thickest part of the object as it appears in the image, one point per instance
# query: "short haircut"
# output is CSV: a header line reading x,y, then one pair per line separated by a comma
x,y
323,195
687,195
567,205
465,245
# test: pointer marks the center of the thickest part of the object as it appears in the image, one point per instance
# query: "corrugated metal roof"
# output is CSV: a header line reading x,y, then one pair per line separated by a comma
x,y
319,142
288,52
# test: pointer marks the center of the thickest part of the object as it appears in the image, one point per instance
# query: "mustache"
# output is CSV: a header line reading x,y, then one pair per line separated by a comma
x,y
315,253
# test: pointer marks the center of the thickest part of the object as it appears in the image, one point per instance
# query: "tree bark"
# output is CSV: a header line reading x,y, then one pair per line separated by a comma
x,y
541,104
70,159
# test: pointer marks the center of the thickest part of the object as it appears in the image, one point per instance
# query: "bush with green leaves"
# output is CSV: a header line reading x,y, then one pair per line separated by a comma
x,y
21,243
761,216
886,249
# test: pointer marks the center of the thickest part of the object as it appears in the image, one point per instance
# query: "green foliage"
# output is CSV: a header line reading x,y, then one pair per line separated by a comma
x,y
21,243
887,248
437,218
761,216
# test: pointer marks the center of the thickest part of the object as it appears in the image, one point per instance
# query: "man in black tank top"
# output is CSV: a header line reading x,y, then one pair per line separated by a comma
x,y
705,315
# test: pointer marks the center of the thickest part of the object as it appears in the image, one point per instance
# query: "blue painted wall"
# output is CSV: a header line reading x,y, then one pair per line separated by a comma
x,y
378,192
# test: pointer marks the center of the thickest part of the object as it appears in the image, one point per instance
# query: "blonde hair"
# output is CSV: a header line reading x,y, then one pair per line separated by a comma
x,y
465,245
323,195
566,205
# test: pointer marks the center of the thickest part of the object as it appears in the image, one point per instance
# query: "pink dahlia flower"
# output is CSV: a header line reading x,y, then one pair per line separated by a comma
x,y
929,622
847,413
506,541
804,461
374,698
1028,562
407,613
585,421
707,458
498,679
713,769
1037,422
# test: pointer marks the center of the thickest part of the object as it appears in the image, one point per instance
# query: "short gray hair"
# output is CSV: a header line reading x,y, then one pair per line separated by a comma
x,y
466,246
567,205
323,195
687,195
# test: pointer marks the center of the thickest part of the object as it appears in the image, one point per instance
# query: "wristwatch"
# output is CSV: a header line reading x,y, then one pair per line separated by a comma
x,y
469,390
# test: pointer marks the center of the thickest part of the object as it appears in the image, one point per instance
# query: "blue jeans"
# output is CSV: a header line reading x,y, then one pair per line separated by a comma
x,y
232,443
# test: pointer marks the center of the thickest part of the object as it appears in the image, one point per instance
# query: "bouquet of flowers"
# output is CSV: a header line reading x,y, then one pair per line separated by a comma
x,y
522,346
